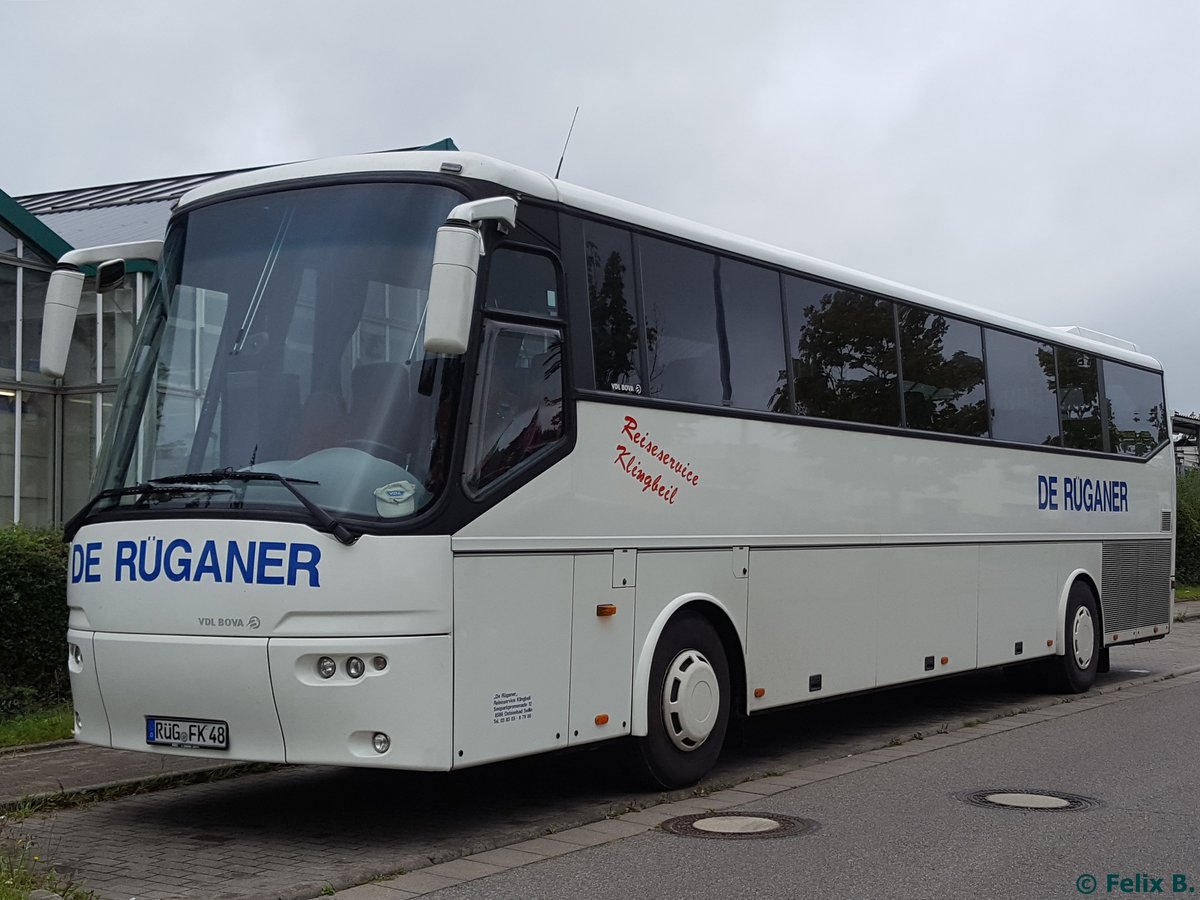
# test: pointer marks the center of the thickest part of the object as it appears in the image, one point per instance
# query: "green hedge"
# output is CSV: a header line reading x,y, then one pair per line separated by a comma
x,y
33,619
1187,528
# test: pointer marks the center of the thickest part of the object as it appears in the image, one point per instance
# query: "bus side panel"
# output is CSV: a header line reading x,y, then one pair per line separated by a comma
x,y
601,652
928,611
512,655
1019,586
333,721
811,625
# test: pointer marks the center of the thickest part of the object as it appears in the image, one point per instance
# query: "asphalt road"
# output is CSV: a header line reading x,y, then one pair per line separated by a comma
x,y
899,830
293,832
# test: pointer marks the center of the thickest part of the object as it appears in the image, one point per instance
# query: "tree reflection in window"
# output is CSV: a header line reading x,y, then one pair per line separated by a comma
x,y
1137,413
610,298
1078,385
942,362
844,362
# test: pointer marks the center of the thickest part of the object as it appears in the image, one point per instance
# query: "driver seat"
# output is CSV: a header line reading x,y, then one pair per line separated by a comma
x,y
380,404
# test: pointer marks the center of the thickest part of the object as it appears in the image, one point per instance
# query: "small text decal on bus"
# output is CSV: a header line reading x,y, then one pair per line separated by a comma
x,y
665,489
509,706
1075,494
220,562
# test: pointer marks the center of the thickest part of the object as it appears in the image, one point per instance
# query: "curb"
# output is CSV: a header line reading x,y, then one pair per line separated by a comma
x,y
1187,609
127,787
33,748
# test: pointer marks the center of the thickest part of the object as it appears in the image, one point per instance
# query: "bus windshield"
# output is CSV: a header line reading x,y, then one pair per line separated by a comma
x,y
283,336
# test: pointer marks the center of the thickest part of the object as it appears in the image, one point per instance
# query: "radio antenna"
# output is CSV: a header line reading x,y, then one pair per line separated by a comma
x,y
567,141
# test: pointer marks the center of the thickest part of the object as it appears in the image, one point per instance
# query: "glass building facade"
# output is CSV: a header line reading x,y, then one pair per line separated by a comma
x,y
50,428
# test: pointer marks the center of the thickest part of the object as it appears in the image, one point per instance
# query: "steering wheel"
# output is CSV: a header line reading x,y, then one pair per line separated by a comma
x,y
379,449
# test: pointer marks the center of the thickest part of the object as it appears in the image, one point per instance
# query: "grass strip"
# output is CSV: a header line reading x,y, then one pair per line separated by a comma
x,y
40,726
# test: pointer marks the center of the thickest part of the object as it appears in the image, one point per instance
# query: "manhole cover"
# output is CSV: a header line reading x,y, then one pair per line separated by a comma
x,y
1025,799
738,826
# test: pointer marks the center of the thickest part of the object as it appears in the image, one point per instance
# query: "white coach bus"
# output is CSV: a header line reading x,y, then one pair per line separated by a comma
x,y
422,460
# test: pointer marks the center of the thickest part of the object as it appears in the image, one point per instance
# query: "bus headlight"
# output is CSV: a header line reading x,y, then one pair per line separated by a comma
x,y
381,742
355,667
326,667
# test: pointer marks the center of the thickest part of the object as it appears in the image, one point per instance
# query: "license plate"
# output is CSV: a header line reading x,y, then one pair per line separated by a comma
x,y
205,734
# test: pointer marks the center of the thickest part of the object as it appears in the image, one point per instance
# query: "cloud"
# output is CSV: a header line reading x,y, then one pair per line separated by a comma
x,y
1035,158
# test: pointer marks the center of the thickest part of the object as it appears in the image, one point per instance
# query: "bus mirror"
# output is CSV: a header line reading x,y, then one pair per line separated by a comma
x,y
66,287
58,320
455,268
452,289
109,275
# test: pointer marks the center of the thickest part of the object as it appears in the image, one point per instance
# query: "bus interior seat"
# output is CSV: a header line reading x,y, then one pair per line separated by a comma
x,y
382,399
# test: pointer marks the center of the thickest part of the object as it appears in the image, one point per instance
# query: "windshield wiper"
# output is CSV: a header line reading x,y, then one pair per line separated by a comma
x,y
205,482
148,487
325,520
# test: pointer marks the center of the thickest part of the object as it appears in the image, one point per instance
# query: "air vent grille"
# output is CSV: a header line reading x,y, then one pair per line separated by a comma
x,y
1166,521
1136,585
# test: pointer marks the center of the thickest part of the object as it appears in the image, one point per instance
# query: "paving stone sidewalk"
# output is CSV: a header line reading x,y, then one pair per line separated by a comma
x,y
64,766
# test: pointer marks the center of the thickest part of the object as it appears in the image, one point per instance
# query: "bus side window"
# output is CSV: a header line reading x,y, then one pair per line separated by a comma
x,y
517,410
522,282
1137,413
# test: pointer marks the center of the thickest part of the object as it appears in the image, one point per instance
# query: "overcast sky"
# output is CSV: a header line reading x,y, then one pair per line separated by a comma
x,y
1040,158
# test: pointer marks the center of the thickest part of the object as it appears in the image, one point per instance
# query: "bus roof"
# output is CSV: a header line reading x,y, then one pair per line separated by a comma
x,y
536,184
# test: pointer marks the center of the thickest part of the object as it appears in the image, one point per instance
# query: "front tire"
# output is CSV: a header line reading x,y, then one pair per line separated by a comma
x,y
1075,671
688,703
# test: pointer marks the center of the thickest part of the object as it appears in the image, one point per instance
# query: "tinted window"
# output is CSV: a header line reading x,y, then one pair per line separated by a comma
x,y
753,332
517,408
522,282
843,354
942,361
8,327
1021,384
1079,399
680,300
611,300
1137,412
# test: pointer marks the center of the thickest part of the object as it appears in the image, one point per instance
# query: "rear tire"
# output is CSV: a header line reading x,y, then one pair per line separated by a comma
x,y
687,705
1075,671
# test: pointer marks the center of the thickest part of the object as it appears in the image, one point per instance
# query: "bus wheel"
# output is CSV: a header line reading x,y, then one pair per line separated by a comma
x,y
688,703
1075,671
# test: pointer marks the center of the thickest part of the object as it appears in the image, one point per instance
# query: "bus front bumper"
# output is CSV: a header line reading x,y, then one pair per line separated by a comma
x,y
271,696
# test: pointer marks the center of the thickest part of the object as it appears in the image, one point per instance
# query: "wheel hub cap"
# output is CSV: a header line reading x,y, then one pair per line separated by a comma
x,y
691,700
1083,637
